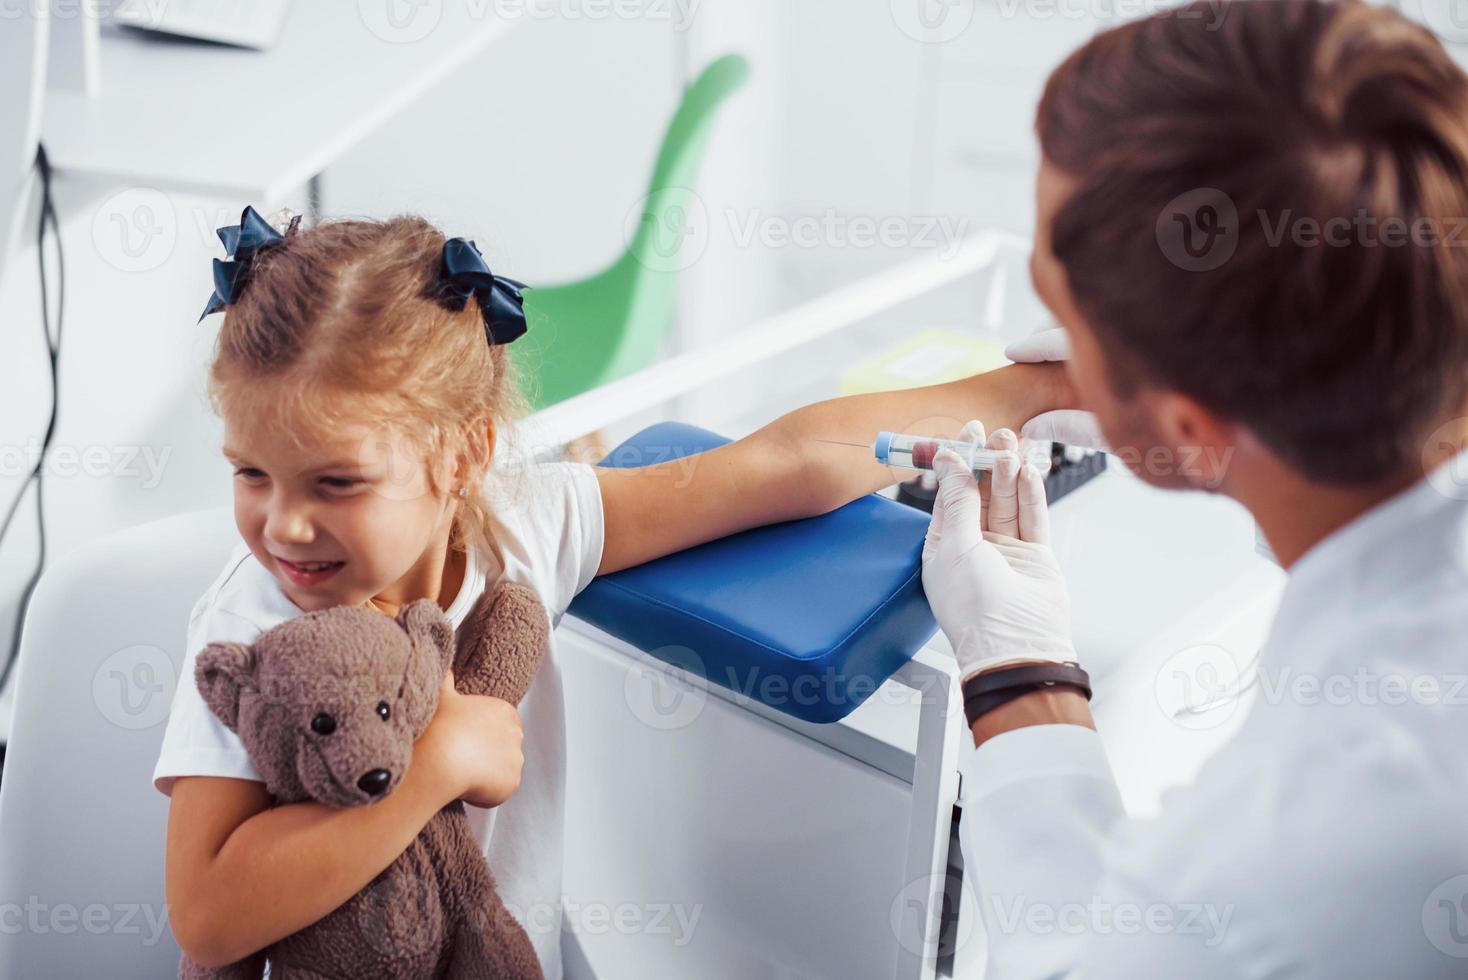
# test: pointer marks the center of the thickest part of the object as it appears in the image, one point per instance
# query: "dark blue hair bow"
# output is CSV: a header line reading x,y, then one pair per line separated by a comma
x,y
242,244
500,299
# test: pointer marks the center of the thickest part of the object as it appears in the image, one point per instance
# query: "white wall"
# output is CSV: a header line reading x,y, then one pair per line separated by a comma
x,y
541,160
888,120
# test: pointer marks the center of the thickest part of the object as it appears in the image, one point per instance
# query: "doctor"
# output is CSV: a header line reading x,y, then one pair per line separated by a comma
x,y
1253,235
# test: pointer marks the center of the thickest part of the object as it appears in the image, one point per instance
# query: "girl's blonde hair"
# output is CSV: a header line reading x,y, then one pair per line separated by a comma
x,y
341,324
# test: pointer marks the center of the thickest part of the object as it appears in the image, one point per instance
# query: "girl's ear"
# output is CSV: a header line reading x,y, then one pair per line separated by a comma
x,y
426,623
223,673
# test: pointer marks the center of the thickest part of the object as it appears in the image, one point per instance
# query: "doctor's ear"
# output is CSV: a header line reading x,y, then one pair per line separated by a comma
x,y
1202,442
223,673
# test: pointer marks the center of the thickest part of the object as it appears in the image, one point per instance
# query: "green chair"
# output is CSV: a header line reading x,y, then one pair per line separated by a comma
x,y
583,334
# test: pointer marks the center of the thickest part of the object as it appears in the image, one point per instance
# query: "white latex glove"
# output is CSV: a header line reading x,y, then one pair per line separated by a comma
x,y
1068,425
999,597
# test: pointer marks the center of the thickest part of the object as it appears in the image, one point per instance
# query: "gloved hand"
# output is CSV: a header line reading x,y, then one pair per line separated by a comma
x,y
989,574
1068,425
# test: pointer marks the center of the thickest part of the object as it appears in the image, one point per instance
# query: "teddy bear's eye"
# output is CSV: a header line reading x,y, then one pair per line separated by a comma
x,y
323,724
383,711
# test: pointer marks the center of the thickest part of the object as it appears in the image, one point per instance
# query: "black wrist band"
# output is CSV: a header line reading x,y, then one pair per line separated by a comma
x,y
1032,673
981,705
984,692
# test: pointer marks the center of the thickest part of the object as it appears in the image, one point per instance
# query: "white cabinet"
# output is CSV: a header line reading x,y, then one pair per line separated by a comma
x,y
759,852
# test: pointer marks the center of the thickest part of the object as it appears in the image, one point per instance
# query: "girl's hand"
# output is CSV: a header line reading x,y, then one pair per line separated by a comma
x,y
476,746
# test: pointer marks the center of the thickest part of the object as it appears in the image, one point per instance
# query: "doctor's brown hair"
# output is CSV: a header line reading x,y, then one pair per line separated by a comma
x,y
340,324
1270,215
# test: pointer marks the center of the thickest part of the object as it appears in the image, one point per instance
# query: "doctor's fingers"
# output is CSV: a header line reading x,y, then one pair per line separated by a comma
x,y
1003,485
959,498
974,432
937,521
1034,509
935,528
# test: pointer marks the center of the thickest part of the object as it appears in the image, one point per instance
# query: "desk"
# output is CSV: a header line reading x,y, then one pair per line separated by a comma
x,y
176,113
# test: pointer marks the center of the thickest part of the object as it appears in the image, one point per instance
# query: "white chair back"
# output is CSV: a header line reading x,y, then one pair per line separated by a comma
x,y
82,829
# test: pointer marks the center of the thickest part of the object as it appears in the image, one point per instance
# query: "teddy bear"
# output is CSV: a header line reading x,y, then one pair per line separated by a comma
x,y
328,705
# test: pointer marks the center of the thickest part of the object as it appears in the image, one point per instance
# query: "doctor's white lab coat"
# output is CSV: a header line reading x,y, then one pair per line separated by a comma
x,y
1328,839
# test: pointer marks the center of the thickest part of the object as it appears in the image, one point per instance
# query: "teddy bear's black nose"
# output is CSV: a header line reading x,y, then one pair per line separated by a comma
x,y
375,782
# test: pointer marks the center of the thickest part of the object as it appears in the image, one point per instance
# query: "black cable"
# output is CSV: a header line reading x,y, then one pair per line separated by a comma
x,y
48,213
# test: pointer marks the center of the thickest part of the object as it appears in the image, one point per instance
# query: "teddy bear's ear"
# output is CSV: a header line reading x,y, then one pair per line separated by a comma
x,y
223,671
423,620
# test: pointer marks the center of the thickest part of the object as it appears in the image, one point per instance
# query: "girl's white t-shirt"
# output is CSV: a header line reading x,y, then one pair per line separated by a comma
x,y
546,533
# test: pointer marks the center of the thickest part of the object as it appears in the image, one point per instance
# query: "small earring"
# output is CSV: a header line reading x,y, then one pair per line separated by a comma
x,y
463,491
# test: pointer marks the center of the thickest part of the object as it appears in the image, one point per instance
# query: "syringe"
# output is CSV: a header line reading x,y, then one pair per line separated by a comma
x,y
917,452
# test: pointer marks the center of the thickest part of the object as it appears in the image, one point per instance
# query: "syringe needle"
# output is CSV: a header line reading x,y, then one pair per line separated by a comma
x,y
838,442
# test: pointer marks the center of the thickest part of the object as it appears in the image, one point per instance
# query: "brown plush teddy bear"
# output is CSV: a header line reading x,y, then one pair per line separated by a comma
x,y
328,704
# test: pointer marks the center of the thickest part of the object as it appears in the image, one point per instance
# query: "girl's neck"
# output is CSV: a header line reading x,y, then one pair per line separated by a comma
x,y
439,575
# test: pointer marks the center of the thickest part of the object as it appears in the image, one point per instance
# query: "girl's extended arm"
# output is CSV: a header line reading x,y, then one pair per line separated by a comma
x,y
783,472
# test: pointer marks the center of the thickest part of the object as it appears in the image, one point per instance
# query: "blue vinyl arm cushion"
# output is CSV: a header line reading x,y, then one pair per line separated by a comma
x,y
808,616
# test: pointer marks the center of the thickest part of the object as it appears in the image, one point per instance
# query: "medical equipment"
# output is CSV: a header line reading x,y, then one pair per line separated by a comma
x,y
918,452
1071,467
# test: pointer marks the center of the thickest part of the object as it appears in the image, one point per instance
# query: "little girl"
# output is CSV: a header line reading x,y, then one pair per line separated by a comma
x,y
364,377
